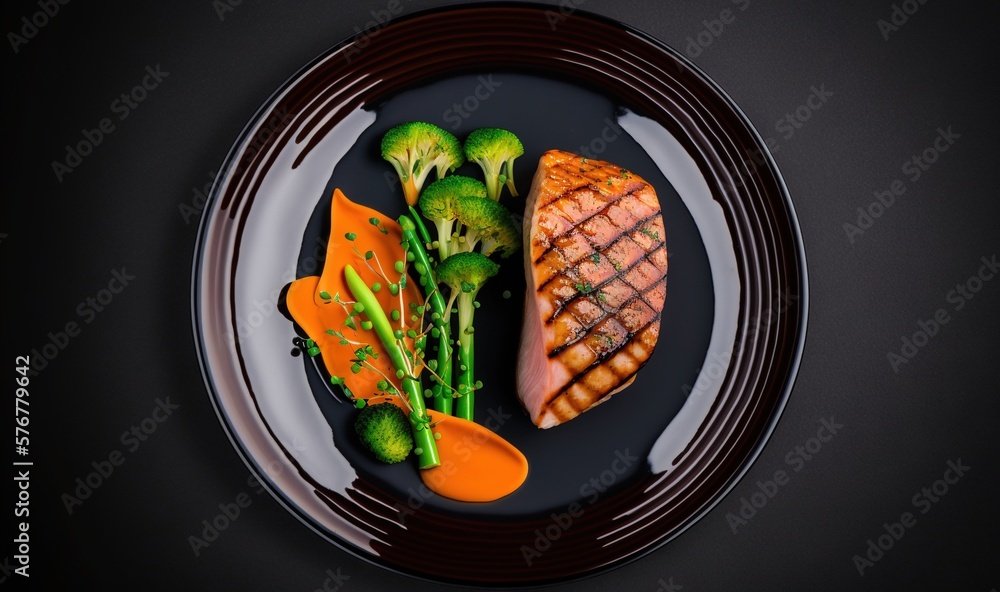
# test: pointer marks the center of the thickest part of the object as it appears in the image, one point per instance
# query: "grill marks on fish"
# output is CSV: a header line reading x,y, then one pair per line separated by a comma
x,y
600,265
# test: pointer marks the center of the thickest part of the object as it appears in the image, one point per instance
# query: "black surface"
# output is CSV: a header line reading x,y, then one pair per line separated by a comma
x,y
122,207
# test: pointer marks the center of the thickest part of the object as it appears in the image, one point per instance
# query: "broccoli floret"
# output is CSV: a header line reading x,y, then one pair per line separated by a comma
x,y
384,429
465,273
488,222
506,239
437,203
494,150
415,149
478,212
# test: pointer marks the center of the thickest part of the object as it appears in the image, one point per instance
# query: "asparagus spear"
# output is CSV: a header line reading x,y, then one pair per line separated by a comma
x,y
426,448
422,263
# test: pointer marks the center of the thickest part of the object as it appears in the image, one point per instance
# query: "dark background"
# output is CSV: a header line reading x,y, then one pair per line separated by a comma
x,y
122,207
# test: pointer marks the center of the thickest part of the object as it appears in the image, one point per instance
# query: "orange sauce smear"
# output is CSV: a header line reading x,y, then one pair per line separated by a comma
x,y
315,314
476,464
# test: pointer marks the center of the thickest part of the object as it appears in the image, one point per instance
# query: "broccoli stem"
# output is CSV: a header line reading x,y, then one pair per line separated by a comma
x,y
442,387
419,420
410,190
493,183
509,172
465,406
446,233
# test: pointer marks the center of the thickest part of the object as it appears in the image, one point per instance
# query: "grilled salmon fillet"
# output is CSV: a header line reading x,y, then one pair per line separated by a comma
x,y
596,268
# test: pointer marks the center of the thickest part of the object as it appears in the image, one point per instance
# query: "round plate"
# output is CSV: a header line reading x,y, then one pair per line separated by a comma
x,y
610,485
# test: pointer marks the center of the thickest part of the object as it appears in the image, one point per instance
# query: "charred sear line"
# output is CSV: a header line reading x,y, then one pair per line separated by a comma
x,y
582,221
560,305
629,335
603,358
642,296
618,273
589,177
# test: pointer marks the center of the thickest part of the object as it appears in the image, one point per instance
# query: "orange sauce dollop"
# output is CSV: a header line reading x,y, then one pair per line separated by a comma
x,y
476,464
